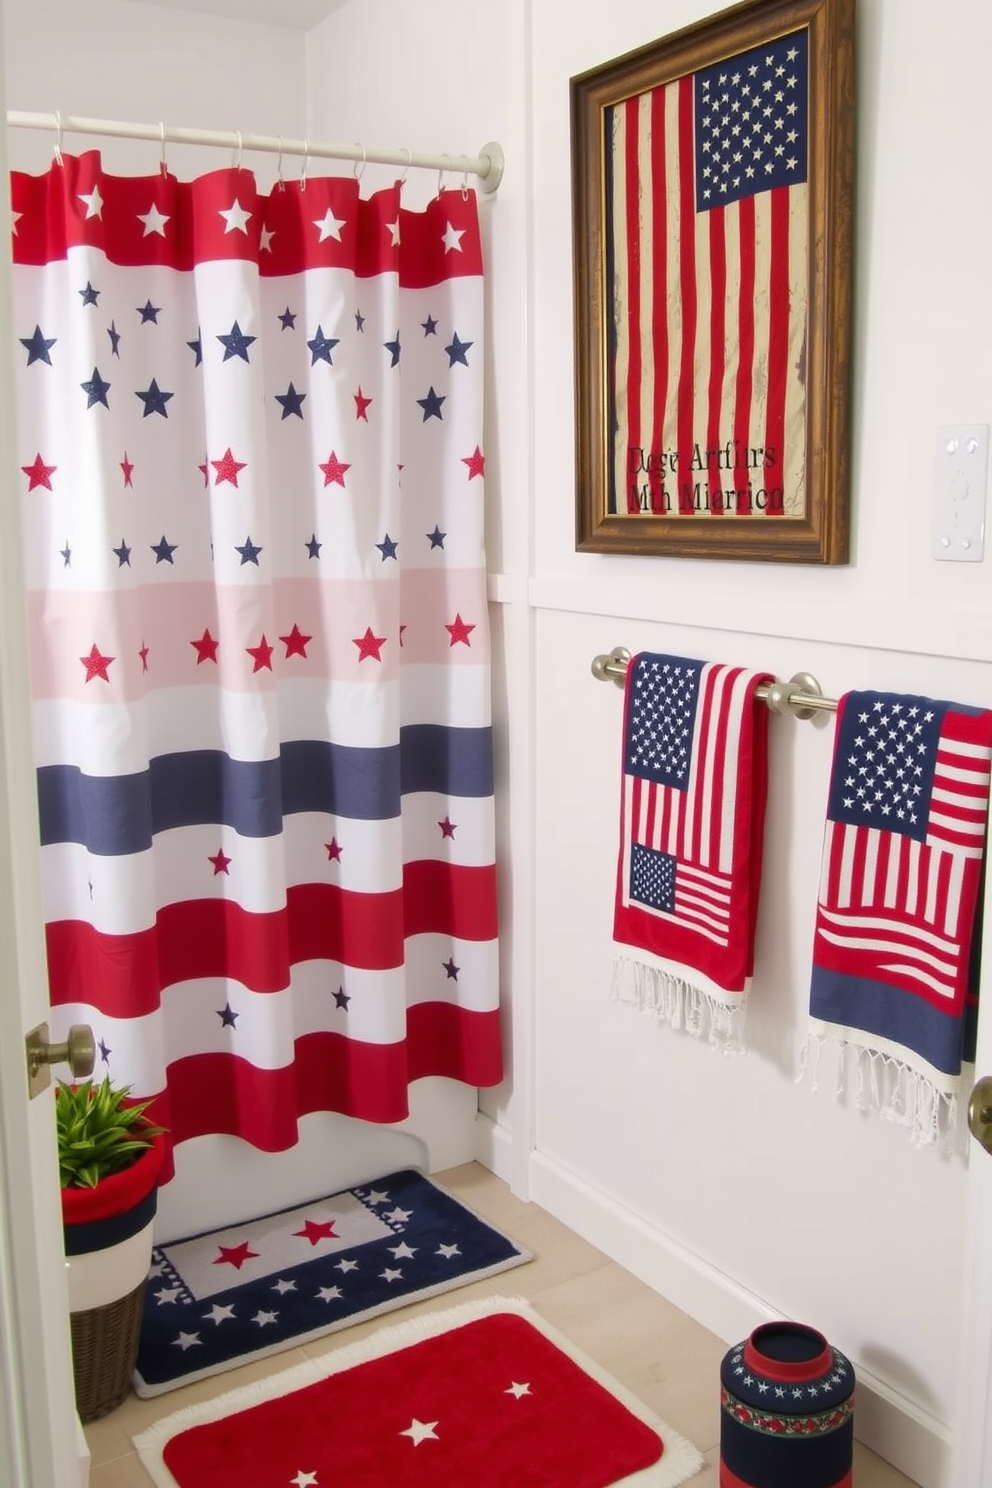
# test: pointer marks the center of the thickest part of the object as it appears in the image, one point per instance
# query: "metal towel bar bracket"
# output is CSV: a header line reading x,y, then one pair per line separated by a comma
x,y
800,697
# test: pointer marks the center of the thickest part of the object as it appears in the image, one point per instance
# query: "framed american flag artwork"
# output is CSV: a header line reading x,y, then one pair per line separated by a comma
x,y
712,199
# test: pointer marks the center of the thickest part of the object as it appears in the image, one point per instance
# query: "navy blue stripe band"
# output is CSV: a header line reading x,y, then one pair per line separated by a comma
x,y
80,1239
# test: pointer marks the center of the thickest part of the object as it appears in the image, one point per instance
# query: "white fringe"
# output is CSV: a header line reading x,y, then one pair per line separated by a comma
x,y
680,1003
880,1083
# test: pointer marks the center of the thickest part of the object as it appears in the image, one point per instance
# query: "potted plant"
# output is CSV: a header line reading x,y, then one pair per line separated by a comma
x,y
110,1155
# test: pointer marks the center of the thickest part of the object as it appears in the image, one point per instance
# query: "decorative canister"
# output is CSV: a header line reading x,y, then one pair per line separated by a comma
x,y
787,1416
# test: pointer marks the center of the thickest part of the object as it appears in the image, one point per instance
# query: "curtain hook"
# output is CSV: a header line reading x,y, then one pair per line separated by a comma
x,y
282,183
360,173
58,137
236,162
306,164
441,172
409,162
465,187
163,163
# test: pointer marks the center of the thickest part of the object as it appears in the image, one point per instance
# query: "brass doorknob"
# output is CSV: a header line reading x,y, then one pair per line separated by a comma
x,y
980,1112
78,1052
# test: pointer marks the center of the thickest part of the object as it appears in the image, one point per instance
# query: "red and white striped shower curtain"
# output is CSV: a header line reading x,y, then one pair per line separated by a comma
x,y
250,437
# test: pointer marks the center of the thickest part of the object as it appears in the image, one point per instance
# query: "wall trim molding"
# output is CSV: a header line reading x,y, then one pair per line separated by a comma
x,y
885,1420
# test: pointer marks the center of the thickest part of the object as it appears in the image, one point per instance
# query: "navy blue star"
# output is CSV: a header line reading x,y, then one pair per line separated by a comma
x,y
123,554
436,538
451,969
249,553
164,550
148,311
236,343
115,337
393,347
89,294
342,998
359,321
288,318
456,351
96,390
313,546
228,1018
154,400
38,347
105,1052
430,326
321,347
387,547
196,347
431,404
66,554
292,402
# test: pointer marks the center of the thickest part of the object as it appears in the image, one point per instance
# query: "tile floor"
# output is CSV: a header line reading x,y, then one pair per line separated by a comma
x,y
669,1362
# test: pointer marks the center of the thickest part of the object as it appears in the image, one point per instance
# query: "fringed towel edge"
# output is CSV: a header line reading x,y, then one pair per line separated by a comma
x,y
670,997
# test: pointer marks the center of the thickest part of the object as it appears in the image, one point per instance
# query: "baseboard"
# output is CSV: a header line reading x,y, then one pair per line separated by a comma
x,y
886,1420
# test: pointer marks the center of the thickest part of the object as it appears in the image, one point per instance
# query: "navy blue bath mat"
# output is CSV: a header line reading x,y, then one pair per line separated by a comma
x,y
249,1290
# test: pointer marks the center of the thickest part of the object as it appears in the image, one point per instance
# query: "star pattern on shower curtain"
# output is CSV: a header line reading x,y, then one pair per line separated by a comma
x,y
251,448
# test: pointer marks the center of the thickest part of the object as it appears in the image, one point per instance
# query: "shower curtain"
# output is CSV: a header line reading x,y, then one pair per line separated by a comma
x,y
251,451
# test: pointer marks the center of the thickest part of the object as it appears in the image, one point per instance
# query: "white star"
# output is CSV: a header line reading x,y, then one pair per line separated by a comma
x,y
376,1196
167,1294
94,202
236,217
219,1314
261,1318
453,238
15,218
346,1266
304,1479
419,1431
391,1274
329,1294
265,242
329,226
394,229
402,1252
517,1390
284,1286
157,1270
154,221
186,1340
399,1216
447,1251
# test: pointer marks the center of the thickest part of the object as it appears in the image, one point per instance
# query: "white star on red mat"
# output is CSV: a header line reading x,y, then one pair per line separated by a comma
x,y
517,1390
219,1314
315,1231
419,1431
304,1479
235,1255
186,1341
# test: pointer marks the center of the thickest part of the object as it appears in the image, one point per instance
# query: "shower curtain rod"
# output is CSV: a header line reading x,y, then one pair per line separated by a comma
x,y
487,165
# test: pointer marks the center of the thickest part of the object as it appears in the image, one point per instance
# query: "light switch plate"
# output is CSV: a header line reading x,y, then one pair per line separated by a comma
x,y
961,479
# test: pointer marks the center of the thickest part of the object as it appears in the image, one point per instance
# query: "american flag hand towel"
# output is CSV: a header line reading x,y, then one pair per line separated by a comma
x,y
693,793
893,977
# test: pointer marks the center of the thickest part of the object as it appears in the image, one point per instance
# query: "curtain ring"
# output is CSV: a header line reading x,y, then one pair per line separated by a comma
x,y
409,162
306,164
163,164
282,183
58,137
465,187
360,173
236,162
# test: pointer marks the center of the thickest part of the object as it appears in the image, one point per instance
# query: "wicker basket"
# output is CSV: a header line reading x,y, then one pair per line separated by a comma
x,y
104,1350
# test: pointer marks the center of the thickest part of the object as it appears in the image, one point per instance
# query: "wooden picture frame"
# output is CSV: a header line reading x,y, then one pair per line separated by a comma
x,y
713,288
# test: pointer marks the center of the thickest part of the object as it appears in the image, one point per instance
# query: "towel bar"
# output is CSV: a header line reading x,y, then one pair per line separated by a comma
x,y
801,696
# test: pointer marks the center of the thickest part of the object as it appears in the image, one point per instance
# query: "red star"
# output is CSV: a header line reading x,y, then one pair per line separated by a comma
x,y
227,468
369,645
220,861
96,665
296,642
361,403
143,653
261,654
235,1255
39,473
333,850
204,472
128,468
315,1232
459,631
334,469
476,463
448,828
205,647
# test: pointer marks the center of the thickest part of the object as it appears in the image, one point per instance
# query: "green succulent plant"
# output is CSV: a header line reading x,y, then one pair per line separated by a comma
x,y
98,1134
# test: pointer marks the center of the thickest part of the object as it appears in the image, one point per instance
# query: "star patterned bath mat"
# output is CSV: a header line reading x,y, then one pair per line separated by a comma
x,y
486,1394
250,1290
